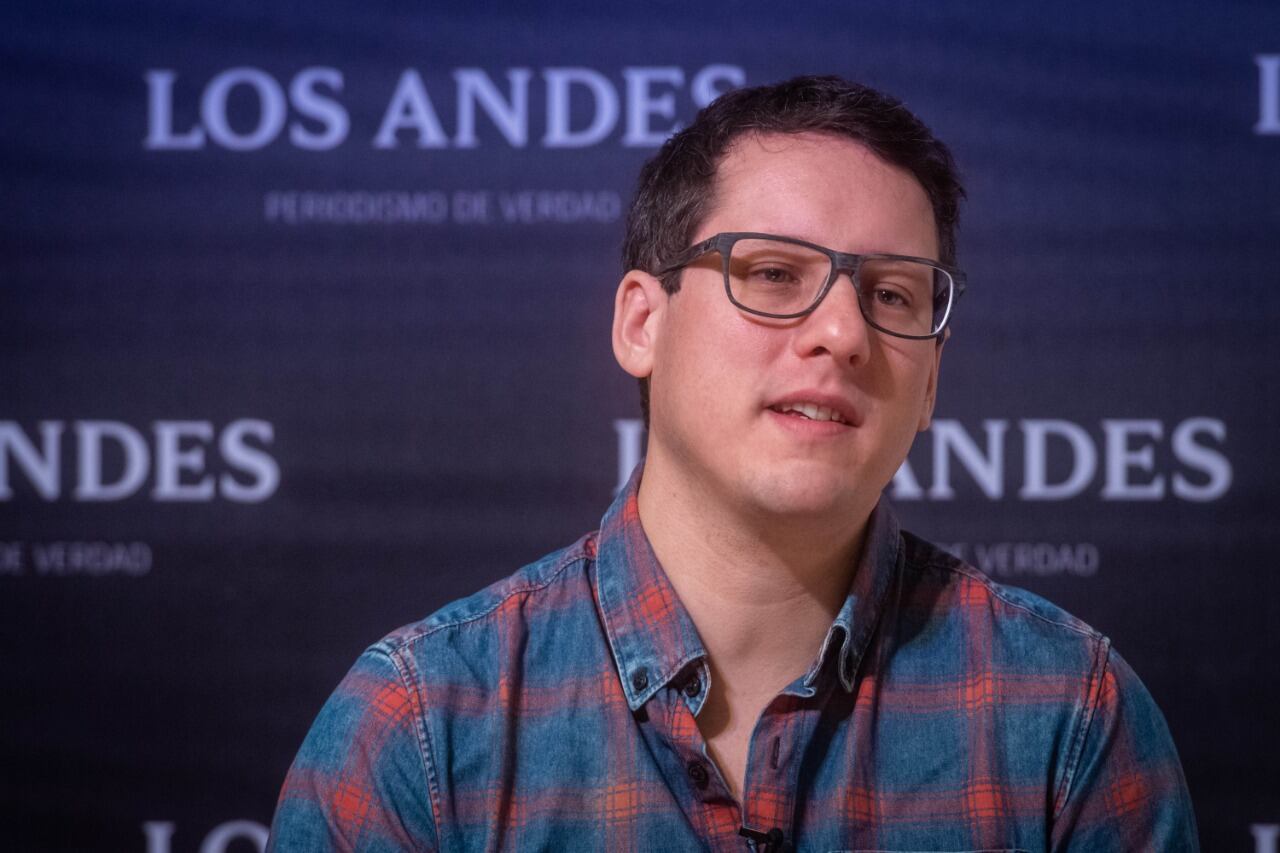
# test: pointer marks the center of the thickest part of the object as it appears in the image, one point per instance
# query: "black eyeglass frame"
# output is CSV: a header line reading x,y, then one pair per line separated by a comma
x,y
841,262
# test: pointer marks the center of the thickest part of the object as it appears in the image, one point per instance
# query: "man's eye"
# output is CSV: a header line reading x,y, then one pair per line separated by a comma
x,y
774,275
891,298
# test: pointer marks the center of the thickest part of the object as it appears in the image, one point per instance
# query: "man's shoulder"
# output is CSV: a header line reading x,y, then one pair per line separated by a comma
x,y
1046,684
942,589
553,588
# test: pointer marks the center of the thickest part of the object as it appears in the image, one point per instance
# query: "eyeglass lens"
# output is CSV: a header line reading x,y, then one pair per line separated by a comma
x,y
774,277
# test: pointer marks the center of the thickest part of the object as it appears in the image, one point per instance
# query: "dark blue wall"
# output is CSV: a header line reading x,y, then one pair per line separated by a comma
x,y
278,378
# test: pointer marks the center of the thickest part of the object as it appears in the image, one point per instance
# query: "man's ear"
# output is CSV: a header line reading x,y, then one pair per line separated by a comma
x,y
931,390
637,318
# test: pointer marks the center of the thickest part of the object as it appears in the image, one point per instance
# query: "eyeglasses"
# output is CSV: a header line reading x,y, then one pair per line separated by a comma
x,y
783,278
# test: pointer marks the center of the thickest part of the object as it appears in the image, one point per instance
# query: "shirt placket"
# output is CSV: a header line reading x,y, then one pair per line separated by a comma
x,y
763,821
706,800
775,755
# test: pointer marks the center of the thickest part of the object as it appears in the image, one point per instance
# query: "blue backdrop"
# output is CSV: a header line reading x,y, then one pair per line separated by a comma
x,y
305,320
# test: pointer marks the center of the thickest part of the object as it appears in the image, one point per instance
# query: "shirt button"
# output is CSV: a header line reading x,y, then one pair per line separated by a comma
x,y
640,678
698,773
693,687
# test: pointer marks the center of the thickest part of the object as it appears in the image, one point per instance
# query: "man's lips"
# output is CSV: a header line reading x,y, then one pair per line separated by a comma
x,y
817,406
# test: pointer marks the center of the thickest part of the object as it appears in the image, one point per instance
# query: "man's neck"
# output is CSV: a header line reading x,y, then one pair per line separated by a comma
x,y
762,591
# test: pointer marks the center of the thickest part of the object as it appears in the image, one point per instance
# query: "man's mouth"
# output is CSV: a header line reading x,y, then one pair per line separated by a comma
x,y
812,411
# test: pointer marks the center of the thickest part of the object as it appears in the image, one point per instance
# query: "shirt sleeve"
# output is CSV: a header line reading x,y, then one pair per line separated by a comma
x,y
361,781
1127,790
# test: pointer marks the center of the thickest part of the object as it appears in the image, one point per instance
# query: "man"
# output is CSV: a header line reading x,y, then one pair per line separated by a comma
x,y
750,653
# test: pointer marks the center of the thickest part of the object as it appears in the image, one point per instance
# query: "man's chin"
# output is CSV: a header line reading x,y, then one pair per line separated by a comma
x,y
807,497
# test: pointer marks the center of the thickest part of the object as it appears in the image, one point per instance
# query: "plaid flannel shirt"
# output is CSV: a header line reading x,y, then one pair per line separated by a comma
x,y
556,710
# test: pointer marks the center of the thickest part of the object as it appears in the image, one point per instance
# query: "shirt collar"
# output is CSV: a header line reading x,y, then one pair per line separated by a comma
x,y
650,633
653,638
854,626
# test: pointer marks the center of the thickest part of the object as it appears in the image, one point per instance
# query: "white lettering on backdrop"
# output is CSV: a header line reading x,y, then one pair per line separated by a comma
x,y
177,452
311,109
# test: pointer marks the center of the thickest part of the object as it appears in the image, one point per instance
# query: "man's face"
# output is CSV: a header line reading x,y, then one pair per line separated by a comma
x,y
721,377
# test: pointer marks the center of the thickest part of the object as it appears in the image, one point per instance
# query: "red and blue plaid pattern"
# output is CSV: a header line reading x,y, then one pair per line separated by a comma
x,y
556,710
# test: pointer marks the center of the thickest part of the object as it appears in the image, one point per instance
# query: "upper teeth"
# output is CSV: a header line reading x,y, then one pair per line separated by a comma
x,y
812,411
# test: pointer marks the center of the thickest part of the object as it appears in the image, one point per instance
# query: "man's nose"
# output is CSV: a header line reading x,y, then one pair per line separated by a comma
x,y
837,327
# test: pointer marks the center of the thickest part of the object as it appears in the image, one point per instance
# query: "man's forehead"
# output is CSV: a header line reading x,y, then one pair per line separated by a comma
x,y
795,167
